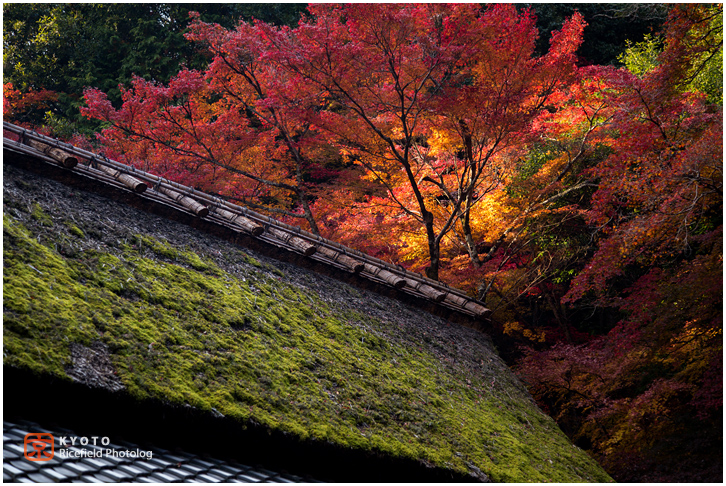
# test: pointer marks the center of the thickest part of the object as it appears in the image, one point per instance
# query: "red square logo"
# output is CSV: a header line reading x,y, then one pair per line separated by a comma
x,y
39,447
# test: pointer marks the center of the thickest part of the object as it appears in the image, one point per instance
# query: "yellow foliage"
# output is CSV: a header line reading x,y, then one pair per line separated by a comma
x,y
490,216
515,328
443,142
414,246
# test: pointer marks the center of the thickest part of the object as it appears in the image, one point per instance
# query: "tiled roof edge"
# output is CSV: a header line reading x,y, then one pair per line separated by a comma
x,y
240,219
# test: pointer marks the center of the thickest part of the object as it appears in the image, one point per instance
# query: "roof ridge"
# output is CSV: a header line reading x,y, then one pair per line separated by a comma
x,y
240,219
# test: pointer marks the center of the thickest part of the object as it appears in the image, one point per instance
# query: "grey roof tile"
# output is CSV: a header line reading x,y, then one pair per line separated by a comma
x,y
250,478
223,476
60,474
13,434
165,466
25,465
10,454
20,432
227,472
18,448
279,479
197,479
193,469
80,467
209,478
40,477
162,462
148,466
145,479
132,470
202,463
163,477
26,423
101,477
158,462
87,478
97,462
266,472
12,470
232,468
179,473
55,461
113,446
260,474
116,475
179,457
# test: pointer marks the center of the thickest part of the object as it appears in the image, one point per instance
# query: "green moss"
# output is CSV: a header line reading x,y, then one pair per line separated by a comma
x,y
162,249
75,230
39,215
182,329
250,260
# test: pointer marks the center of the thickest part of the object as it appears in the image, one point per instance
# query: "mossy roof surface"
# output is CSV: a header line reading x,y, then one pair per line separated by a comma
x,y
192,319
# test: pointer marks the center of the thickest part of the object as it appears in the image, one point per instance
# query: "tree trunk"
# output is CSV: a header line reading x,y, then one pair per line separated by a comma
x,y
432,271
468,237
308,214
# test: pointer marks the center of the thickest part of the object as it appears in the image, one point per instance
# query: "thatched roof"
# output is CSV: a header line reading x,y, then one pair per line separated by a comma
x,y
176,323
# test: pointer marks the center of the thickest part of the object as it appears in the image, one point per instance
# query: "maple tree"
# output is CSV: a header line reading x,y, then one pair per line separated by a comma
x,y
535,232
668,145
223,130
26,108
650,385
427,98
65,47
387,83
